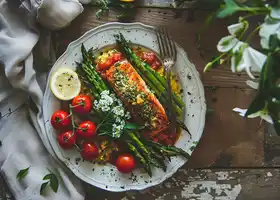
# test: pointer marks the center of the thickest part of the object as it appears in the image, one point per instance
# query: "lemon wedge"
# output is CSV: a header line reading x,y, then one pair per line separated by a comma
x,y
65,84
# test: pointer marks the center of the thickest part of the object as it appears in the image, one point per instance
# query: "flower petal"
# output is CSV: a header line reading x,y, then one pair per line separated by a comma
x,y
241,112
232,29
257,59
227,43
269,27
275,13
254,115
267,118
252,84
251,60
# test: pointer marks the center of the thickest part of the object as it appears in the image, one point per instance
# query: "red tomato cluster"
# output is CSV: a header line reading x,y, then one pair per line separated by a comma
x,y
151,59
104,64
67,138
86,131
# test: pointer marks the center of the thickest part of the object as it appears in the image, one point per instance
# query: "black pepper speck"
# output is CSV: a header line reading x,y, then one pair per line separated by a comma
x,y
189,93
189,77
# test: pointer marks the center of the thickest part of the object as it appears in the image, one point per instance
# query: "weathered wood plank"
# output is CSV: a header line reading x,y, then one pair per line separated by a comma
x,y
183,31
271,147
229,140
241,184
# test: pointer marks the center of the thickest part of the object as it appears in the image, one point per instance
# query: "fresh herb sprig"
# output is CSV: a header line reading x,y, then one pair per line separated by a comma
x,y
51,180
22,173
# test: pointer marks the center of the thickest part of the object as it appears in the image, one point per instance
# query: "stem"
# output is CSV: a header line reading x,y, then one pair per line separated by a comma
x,y
252,34
210,64
101,123
72,118
79,104
255,9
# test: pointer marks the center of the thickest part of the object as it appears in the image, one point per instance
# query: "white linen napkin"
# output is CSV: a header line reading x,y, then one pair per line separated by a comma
x,y
22,131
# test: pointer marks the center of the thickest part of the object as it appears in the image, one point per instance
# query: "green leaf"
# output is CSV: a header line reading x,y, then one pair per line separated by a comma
x,y
43,186
48,176
273,42
257,105
53,180
229,8
132,126
266,76
54,183
22,173
273,110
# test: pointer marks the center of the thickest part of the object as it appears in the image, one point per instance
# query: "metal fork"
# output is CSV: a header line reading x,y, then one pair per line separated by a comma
x,y
168,53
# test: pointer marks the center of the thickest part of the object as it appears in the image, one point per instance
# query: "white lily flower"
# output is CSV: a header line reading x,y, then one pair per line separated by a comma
x,y
270,26
244,57
262,114
228,42
251,59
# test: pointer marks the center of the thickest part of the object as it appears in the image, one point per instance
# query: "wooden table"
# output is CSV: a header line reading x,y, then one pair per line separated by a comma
x,y
236,158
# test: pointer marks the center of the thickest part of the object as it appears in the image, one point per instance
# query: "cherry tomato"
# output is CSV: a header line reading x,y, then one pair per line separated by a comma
x,y
116,57
156,64
125,163
82,104
90,151
60,120
149,57
104,64
86,129
66,139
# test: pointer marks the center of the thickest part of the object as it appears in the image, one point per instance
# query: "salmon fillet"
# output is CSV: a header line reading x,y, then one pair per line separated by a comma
x,y
132,90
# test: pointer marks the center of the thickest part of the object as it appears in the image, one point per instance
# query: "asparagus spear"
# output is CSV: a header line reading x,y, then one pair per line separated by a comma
x,y
158,159
140,157
161,96
157,80
169,150
151,79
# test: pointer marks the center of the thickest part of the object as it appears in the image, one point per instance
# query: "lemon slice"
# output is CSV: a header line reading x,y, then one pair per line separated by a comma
x,y
65,84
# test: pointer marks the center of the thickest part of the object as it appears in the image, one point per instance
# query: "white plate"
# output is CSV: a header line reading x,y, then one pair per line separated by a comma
x,y
107,177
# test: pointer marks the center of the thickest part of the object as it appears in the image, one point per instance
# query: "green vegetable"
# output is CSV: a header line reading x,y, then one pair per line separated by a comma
x,y
22,173
140,157
154,80
52,181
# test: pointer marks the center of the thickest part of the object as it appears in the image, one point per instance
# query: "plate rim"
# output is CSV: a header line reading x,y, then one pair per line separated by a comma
x,y
173,170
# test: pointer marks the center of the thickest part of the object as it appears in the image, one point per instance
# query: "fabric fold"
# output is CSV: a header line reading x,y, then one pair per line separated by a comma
x,y
22,131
